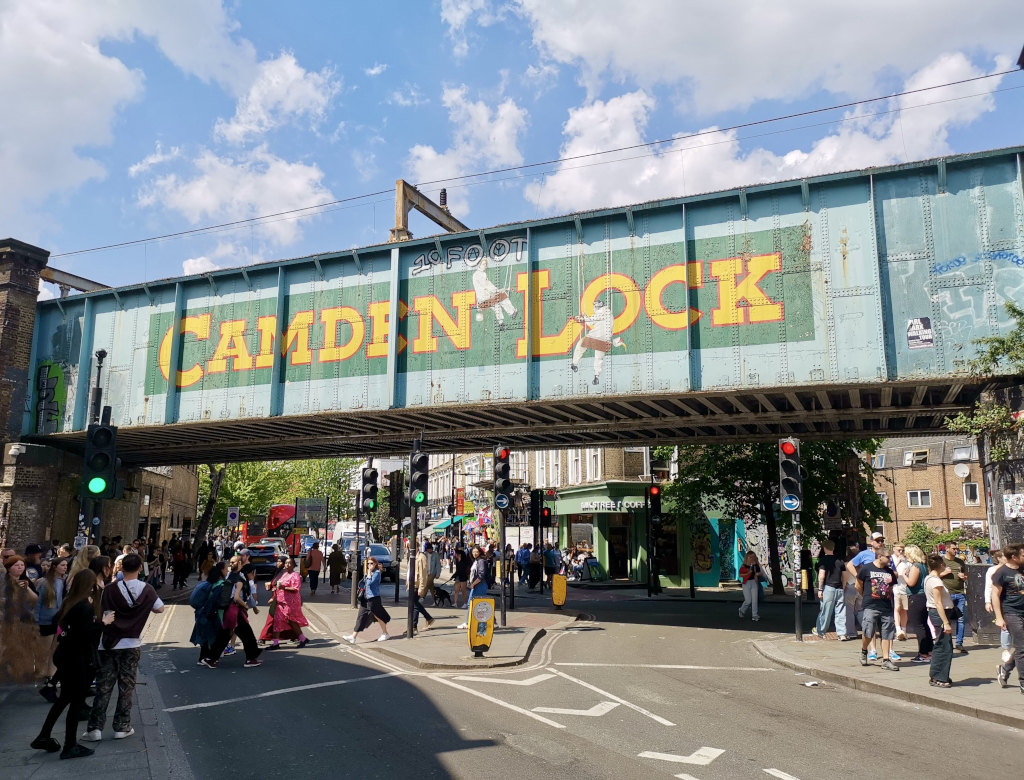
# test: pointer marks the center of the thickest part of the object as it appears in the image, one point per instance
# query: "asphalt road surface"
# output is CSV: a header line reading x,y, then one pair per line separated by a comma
x,y
663,689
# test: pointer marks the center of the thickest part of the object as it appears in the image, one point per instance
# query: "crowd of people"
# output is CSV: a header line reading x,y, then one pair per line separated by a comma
x,y
71,622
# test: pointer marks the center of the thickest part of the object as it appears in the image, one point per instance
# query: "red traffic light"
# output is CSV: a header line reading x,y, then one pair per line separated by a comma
x,y
788,448
501,453
655,490
545,513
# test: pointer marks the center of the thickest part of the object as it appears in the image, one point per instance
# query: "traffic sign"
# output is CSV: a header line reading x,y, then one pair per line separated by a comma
x,y
790,502
501,501
233,516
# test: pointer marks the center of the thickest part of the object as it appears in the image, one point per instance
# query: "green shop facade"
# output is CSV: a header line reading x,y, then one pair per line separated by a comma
x,y
611,517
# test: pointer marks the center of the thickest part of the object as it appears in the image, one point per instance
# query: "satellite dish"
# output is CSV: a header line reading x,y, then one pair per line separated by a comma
x,y
962,470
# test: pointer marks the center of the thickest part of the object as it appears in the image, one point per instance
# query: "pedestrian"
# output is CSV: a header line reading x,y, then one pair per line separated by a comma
x,y
522,561
831,580
917,603
901,601
131,601
462,567
81,560
235,618
267,633
1008,608
941,614
33,563
477,583
100,566
50,591
77,662
370,605
750,580
20,649
288,614
954,577
875,583
996,556
205,600
179,567
205,565
854,563
338,566
433,572
417,586
536,567
314,564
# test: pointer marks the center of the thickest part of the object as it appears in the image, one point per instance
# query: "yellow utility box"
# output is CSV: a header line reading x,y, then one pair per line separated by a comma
x,y
481,626
558,589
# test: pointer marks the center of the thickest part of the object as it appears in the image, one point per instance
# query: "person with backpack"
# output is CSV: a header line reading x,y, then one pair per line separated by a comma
x,y
234,601
205,600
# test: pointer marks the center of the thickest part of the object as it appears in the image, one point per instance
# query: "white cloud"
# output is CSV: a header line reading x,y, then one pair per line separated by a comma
x,y
485,137
198,265
409,95
45,293
719,160
157,158
376,69
730,53
365,164
540,77
251,184
456,13
281,91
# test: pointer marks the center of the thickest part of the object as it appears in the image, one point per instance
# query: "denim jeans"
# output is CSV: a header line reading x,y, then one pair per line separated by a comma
x,y
942,653
833,603
750,594
418,610
1015,625
960,602
478,592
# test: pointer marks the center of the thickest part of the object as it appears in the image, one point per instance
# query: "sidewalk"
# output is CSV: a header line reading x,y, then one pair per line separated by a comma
x,y
975,692
152,752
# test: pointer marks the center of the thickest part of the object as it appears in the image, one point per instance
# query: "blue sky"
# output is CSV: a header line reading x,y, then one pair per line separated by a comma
x,y
132,120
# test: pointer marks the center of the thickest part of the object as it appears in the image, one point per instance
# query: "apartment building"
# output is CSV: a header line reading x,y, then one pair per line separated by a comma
x,y
933,480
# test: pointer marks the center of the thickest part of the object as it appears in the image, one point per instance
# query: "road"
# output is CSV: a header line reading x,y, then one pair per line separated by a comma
x,y
663,689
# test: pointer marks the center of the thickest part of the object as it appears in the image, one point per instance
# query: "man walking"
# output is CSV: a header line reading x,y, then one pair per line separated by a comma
x,y
875,583
131,601
1008,608
853,567
955,580
433,571
831,579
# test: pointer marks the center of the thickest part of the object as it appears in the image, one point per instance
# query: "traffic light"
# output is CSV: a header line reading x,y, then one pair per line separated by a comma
x,y
654,502
545,516
502,471
419,475
791,489
99,466
451,510
536,502
368,493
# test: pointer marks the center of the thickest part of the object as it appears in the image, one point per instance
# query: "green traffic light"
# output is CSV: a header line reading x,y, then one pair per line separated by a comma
x,y
418,497
371,504
97,485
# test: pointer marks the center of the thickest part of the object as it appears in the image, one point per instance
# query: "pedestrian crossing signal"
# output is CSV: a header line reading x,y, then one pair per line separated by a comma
x,y
368,492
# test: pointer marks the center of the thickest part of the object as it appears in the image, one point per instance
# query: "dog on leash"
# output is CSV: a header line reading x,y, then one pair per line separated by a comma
x,y
442,597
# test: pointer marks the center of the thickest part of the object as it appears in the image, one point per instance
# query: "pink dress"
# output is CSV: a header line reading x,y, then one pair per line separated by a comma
x,y
289,603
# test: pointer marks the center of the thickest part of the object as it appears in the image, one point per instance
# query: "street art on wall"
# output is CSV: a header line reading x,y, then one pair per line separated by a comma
x,y
701,541
51,394
727,549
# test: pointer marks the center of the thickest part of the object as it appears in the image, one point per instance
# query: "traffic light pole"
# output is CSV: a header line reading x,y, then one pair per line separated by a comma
x,y
503,565
797,578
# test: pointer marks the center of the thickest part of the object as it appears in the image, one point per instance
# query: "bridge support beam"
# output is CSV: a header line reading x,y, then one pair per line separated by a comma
x,y
20,265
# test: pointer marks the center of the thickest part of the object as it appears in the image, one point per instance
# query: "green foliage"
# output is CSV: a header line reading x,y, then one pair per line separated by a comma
x,y
1002,355
329,478
921,535
928,539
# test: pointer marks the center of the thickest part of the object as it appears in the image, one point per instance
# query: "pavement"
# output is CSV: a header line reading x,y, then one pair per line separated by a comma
x,y
975,692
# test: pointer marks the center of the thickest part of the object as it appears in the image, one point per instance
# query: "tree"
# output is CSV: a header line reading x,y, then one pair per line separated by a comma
x,y
329,478
252,487
210,481
742,480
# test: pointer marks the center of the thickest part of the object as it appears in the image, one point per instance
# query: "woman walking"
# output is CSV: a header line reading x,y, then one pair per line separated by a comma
x,y
461,564
750,576
370,605
268,627
205,600
19,637
77,660
82,560
477,582
917,604
288,613
51,596
941,614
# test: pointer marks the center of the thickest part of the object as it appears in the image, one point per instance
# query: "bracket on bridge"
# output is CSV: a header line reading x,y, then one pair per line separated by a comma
x,y
408,197
357,261
579,228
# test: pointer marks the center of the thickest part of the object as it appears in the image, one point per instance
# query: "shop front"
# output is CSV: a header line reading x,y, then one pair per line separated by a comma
x,y
610,519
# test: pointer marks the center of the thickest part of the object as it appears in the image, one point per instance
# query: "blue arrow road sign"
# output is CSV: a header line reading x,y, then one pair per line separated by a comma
x,y
501,501
790,502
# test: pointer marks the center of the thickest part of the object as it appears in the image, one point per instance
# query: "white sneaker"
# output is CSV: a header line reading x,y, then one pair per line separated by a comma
x,y
350,638
383,638
124,734
462,626
92,736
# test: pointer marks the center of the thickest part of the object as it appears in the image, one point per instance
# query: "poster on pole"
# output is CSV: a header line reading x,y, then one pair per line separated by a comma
x,y
1013,505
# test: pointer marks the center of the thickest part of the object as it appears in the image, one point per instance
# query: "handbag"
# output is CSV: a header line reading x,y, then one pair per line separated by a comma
x,y
954,613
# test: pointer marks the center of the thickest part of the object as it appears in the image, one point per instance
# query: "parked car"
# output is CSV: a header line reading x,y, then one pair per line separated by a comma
x,y
264,558
383,556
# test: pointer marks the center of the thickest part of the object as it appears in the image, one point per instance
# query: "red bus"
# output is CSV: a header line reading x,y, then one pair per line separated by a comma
x,y
280,524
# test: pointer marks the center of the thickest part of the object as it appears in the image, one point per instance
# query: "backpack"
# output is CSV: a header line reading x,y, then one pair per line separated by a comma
x,y
199,595
224,597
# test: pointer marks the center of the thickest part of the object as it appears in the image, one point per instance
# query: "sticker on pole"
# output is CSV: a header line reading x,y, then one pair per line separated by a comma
x,y
501,501
790,502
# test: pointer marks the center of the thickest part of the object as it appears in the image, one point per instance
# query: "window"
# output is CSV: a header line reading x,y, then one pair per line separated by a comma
x,y
884,498
971,497
540,468
575,467
555,469
593,465
878,461
915,457
518,466
919,498
965,452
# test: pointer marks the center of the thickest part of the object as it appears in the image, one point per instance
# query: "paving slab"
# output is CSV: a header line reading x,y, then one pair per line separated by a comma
x,y
975,692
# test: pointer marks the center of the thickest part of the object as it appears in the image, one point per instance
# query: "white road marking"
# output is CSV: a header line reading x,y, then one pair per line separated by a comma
x,y
702,756
279,691
779,774
602,708
613,697
501,681
678,666
500,703
685,776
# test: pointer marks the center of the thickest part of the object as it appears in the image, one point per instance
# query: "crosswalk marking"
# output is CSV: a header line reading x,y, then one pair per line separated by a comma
x,y
602,708
702,756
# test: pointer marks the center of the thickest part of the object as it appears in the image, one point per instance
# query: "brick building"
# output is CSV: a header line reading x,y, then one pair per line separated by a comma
x,y
934,480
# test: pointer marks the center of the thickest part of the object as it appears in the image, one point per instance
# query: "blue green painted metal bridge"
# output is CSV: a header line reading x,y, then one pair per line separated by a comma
x,y
845,304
